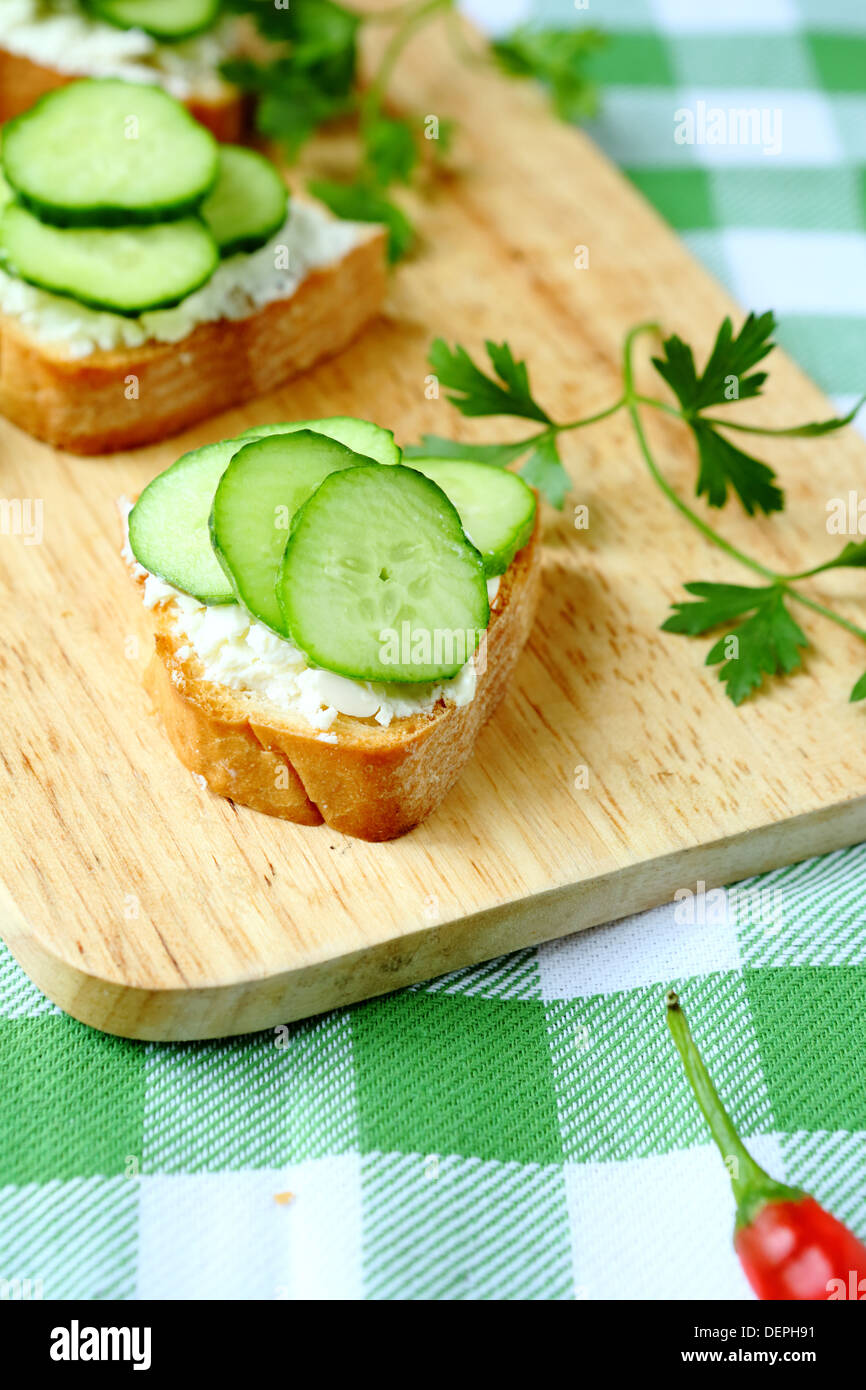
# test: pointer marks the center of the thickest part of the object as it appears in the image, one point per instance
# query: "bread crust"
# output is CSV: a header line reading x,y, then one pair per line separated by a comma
x,y
83,404
374,783
22,82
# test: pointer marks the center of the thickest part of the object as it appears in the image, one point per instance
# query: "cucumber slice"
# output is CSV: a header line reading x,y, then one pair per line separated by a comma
x,y
166,20
168,526
360,435
378,581
126,270
496,507
106,153
264,486
248,202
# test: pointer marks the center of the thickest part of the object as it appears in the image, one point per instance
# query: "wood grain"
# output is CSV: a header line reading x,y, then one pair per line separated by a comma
x,y
148,907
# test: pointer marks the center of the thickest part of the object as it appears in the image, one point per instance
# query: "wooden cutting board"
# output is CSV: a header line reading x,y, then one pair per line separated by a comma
x,y
147,907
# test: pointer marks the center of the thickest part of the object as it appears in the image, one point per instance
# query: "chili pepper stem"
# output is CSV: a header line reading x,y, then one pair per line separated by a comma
x,y
753,1188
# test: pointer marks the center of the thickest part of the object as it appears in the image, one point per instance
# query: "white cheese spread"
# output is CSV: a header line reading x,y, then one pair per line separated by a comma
x,y
59,34
239,286
238,652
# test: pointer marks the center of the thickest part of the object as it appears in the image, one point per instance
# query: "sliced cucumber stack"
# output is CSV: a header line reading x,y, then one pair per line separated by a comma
x,y
376,572
360,435
258,496
248,202
126,270
166,20
103,152
169,532
497,508
378,581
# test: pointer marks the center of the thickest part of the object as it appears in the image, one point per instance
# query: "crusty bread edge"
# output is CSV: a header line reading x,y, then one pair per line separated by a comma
x,y
22,82
121,399
373,783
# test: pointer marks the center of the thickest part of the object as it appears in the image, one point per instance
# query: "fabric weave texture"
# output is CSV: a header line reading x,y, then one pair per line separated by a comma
x,y
520,1130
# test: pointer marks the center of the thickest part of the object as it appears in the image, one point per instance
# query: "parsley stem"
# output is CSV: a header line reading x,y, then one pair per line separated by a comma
x,y
791,430
633,404
414,17
660,405
821,608
591,419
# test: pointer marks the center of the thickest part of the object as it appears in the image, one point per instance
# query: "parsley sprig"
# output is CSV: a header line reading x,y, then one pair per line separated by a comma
x,y
308,76
756,633
727,376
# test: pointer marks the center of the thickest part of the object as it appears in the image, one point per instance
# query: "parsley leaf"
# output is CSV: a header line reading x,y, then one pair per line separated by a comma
x,y
321,32
859,691
433,446
543,470
851,556
767,641
728,375
308,78
291,105
360,203
390,152
729,362
722,463
480,394
556,57
508,393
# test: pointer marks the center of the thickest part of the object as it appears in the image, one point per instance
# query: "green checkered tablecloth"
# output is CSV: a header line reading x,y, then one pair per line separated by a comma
x,y
520,1130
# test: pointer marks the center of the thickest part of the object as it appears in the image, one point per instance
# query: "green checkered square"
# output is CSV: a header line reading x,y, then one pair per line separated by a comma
x,y
840,60
809,1024
634,59
71,1103
684,197
480,1082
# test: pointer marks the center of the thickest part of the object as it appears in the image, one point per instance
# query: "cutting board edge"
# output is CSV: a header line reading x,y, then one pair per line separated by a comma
x,y
251,1005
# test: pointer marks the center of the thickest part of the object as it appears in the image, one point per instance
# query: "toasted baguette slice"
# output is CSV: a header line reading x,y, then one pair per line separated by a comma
x,y
82,403
372,782
22,82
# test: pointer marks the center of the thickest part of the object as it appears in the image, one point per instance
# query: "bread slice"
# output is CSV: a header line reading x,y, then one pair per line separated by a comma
x,y
364,780
22,82
83,404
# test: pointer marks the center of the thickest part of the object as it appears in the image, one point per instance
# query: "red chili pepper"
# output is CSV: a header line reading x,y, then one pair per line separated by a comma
x,y
789,1247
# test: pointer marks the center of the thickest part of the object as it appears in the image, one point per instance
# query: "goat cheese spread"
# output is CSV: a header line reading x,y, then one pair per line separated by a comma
x,y
241,284
59,34
237,651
